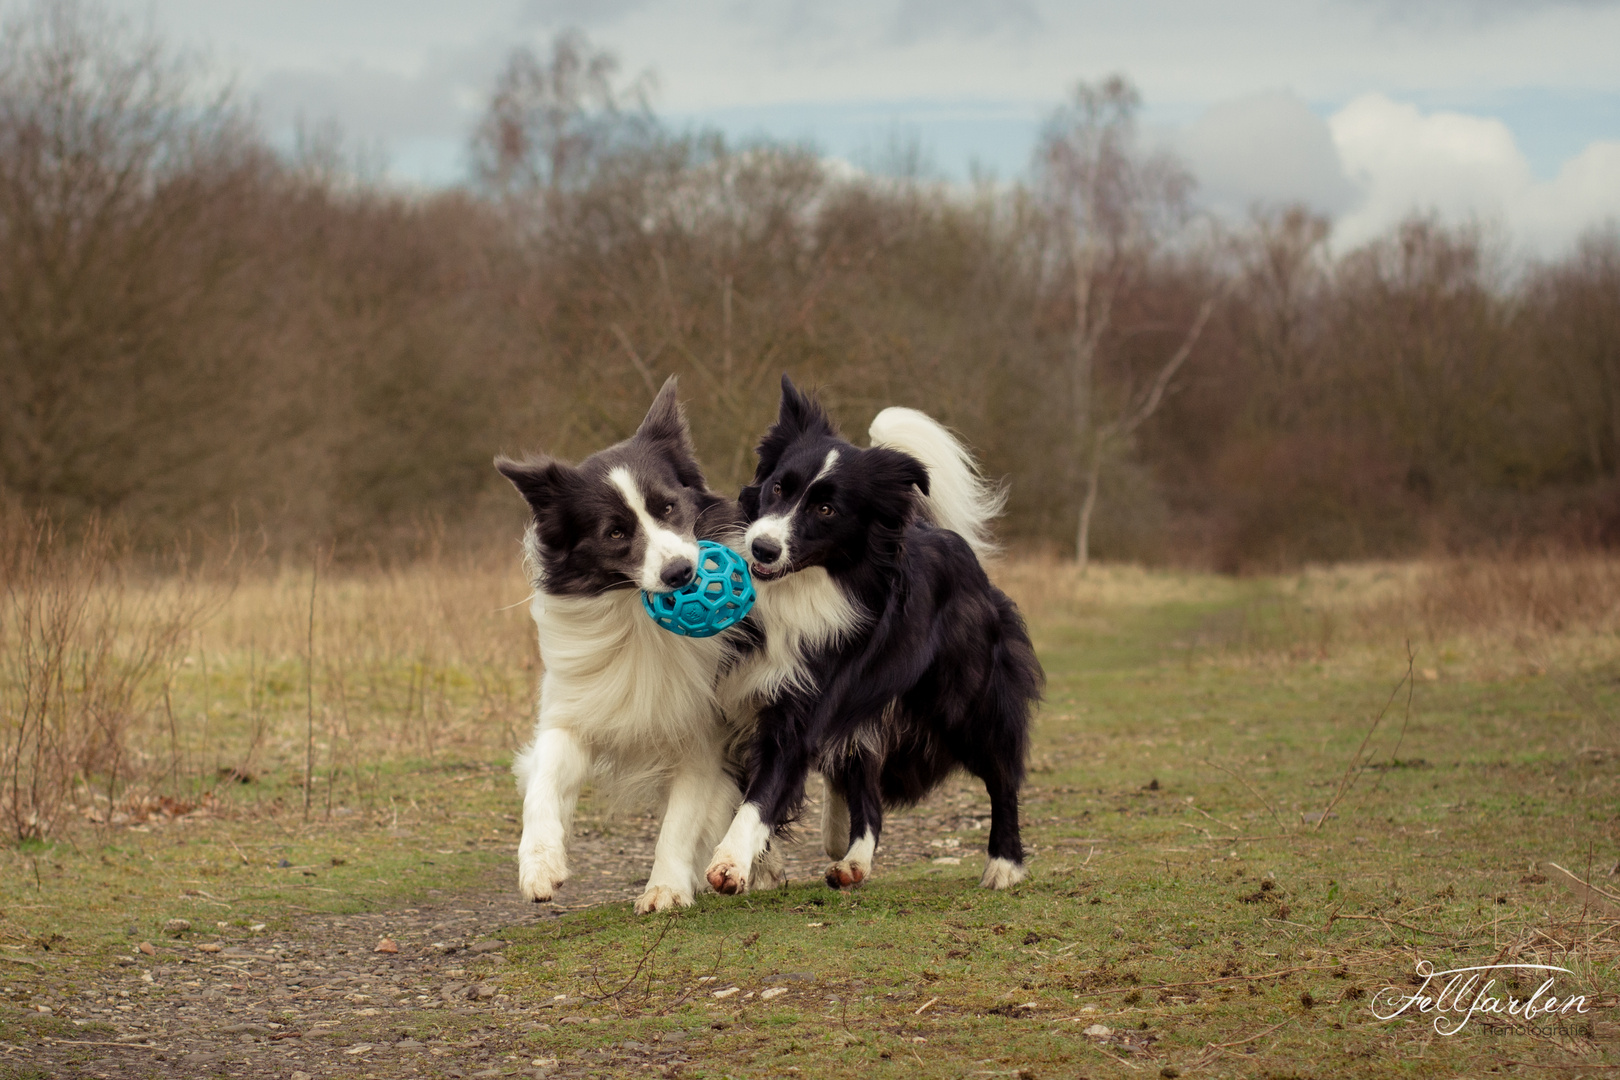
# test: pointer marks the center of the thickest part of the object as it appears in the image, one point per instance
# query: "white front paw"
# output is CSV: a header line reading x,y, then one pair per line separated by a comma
x,y
541,872
729,872
662,898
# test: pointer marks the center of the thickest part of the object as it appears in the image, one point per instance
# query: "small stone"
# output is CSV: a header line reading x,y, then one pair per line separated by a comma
x,y
358,1048
386,945
209,947
146,947
256,928
572,1020
488,946
775,991
727,992
947,860
177,926
1098,1031
124,961
481,991
301,1076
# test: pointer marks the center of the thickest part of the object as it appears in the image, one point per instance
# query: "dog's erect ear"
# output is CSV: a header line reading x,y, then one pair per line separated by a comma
x,y
895,478
748,499
666,421
800,414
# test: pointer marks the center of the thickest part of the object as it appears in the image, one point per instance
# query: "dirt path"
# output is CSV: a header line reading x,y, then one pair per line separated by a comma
x,y
266,1004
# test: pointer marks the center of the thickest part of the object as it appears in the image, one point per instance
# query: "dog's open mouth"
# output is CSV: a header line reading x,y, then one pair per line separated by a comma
x,y
763,573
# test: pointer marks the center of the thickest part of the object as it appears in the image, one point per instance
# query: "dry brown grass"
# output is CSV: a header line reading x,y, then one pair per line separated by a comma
x,y
1045,586
120,689
87,656
1491,615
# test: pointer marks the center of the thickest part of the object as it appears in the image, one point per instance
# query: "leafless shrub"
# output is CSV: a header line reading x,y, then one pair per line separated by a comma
x,y
85,654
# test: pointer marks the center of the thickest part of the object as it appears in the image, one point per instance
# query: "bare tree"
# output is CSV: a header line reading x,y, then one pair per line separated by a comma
x,y
552,120
1114,204
106,157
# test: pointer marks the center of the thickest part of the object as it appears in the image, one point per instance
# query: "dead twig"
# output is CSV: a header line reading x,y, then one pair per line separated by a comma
x,y
1215,819
1353,771
645,956
1211,982
1250,788
1380,919
1116,1057
1591,895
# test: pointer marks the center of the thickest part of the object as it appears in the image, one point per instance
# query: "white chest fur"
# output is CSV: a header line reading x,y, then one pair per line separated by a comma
x,y
618,681
803,612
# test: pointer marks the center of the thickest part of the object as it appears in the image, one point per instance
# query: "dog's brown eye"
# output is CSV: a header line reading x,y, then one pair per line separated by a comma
x,y
616,534
669,508
776,489
825,510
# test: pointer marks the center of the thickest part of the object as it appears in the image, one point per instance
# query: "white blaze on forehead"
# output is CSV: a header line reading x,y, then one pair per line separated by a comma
x,y
779,527
826,467
664,546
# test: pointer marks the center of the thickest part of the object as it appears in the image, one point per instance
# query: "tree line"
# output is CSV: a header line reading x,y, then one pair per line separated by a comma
x,y
200,334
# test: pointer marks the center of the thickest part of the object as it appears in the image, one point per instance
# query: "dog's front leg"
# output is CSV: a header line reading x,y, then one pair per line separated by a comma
x,y
776,790
700,798
550,773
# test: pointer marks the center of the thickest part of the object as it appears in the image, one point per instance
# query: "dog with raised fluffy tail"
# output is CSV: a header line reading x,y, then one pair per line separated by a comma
x,y
621,699
889,660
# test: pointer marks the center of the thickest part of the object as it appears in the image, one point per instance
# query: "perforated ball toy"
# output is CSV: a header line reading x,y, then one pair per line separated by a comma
x,y
719,595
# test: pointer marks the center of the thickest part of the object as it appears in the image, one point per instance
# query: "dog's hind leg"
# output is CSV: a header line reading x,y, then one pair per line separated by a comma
x,y
834,821
551,773
1006,849
857,780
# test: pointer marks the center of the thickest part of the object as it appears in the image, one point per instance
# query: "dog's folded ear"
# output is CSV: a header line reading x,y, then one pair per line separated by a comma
x,y
666,422
896,478
547,486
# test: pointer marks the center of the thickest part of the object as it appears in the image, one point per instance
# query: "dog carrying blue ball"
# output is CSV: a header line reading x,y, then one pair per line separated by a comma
x,y
718,597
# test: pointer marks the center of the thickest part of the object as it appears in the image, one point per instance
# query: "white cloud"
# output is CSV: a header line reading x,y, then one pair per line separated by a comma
x,y
1464,168
1267,149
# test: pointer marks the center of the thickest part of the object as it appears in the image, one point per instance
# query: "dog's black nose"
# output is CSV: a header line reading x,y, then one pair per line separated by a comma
x,y
766,550
677,573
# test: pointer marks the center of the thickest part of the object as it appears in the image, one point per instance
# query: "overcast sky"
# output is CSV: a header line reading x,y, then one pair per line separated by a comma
x,y
1505,111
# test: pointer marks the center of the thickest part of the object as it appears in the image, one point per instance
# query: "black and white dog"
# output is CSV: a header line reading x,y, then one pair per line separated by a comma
x,y
622,698
888,660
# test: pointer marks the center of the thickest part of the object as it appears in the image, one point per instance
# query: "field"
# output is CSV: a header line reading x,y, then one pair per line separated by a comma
x,y
1255,806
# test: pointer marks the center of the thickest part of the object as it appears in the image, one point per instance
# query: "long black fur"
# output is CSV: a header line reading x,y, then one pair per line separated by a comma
x,y
939,675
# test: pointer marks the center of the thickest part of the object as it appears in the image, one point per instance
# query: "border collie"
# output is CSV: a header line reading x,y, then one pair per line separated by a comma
x,y
889,660
621,698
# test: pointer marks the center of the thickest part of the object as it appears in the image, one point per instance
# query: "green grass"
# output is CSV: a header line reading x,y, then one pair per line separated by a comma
x,y
1184,890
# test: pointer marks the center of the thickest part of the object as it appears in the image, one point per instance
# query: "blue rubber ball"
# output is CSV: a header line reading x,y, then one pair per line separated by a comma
x,y
719,595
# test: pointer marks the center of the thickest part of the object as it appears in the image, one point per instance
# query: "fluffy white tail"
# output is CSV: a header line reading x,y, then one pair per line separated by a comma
x,y
958,498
